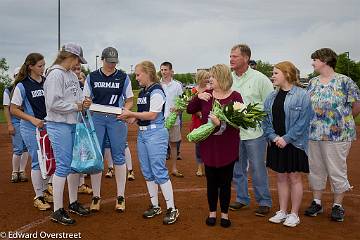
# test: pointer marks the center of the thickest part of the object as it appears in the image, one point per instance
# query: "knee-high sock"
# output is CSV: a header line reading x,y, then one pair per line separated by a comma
x,y
167,191
128,159
73,183
108,157
51,179
153,189
45,183
37,182
23,161
120,177
58,186
96,183
82,180
15,163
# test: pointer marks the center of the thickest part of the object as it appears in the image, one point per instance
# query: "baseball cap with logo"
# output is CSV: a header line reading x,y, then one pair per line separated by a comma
x,y
110,55
76,50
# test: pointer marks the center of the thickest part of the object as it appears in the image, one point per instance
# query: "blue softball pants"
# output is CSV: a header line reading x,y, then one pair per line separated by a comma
x,y
152,148
28,134
62,140
117,133
18,144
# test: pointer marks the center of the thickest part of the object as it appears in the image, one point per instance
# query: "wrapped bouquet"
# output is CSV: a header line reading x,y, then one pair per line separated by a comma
x,y
235,113
181,103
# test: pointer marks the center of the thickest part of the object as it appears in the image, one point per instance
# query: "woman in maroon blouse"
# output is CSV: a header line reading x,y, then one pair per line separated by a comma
x,y
221,149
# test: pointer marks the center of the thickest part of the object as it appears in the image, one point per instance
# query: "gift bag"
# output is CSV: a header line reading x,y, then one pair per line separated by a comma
x,y
87,156
45,153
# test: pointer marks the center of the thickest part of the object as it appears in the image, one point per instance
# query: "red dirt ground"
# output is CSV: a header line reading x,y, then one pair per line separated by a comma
x,y
18,214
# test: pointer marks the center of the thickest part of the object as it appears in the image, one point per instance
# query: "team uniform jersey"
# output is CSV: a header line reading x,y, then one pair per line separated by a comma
x,y
152,100
6,102
153,137
6,96
110,90
17,141
29,94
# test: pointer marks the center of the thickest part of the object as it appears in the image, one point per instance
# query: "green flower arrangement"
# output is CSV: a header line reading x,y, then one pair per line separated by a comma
x,y
181,103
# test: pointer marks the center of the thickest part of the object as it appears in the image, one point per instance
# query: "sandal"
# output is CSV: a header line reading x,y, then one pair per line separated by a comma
x,y
199,173
177,174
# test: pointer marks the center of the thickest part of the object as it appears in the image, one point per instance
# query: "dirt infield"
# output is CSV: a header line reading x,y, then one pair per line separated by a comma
x,y
18,214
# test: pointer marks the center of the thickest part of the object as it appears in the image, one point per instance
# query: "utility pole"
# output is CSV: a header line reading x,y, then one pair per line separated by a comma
x,y
96,67
59,25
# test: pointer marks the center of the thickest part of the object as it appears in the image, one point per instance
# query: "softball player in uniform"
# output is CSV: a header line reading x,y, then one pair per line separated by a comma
x,y
64,99
20,154
83,187
28,104
152,140
107,86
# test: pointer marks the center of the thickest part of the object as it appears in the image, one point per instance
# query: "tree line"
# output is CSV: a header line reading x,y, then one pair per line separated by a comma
x,y
344,66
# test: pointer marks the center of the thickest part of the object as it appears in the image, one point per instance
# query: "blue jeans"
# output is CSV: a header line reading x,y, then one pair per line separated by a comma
x,y
197,153
152,148
17,141
28,134
117,133
62,140
252,151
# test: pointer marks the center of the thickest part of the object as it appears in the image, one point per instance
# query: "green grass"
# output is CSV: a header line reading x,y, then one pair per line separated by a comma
x,y
2,116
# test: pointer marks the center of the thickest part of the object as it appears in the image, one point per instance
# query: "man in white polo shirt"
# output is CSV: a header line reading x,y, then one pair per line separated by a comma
x,y
172,89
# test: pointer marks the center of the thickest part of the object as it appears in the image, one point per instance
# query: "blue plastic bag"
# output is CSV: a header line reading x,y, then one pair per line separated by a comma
x,y
87,156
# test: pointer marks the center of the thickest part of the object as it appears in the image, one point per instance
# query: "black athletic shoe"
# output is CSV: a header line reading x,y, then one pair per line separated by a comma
x,y
262,211
152,211
313,210
337,213
77,208
235,206
61,216
171,216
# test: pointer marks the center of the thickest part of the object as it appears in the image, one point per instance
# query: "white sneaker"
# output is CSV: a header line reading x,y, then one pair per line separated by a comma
x,y
279,217
292,220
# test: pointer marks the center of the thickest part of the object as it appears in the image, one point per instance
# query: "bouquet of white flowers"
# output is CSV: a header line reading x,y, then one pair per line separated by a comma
x,y
234,113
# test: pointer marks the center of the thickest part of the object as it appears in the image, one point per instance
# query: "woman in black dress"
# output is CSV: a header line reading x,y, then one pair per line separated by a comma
x,y
286,128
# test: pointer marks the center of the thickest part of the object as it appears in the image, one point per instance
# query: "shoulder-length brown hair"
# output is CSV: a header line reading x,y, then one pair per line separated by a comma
x,y
290,72
30,60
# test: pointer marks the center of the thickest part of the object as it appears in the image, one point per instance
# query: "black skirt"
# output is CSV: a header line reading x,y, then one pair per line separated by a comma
x,y
286,160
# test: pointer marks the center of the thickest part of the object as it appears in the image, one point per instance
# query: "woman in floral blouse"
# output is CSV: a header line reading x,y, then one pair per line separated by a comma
x,y
335,100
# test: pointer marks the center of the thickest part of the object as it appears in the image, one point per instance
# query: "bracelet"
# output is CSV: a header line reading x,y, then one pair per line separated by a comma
x,y
222,128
